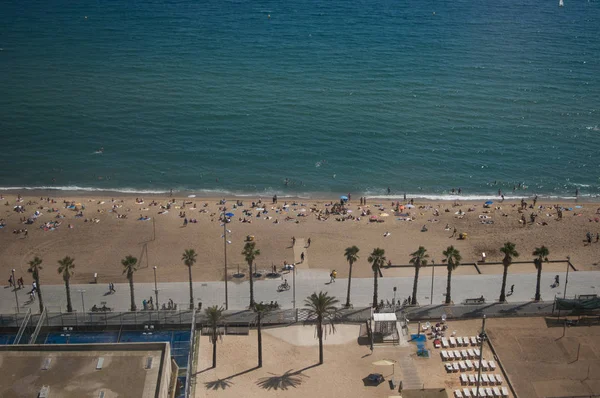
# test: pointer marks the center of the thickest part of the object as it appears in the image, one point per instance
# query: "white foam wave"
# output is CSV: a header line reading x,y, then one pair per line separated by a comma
x,y
75,188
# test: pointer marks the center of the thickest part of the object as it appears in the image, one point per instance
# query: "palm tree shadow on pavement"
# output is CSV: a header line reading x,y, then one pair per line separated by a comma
x,y
218,384
284,381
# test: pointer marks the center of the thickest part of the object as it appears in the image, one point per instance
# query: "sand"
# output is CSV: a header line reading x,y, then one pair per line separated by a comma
x,y
100,246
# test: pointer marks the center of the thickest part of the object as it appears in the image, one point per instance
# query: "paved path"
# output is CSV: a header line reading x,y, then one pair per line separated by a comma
x,y
307,282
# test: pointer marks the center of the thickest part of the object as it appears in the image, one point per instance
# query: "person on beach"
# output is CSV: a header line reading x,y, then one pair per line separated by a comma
x,y
21,283
454,233
308,242
512,289
331,279
597,237
293,240
11,281
302,257
556,280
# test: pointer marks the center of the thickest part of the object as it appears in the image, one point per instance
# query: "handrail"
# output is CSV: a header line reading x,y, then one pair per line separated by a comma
x,y
38,327
189,371
22,327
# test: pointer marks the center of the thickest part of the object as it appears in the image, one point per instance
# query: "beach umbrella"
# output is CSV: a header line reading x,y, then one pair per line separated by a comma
x,y
410,206
489,202
343,197
386,362
229,214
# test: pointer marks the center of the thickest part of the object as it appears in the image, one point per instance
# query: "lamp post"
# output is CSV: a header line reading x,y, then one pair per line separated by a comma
x,y
225,232
156,290
294,285
15,289
82,302
432,275
482,337
567,277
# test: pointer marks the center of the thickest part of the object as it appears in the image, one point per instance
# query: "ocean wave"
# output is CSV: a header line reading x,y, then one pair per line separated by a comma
x,y
75,188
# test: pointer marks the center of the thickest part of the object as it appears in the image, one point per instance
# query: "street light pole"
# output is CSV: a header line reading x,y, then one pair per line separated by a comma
x,y
566,278
432,275
82,302
156,289
225,258
294,286
482,337
15,289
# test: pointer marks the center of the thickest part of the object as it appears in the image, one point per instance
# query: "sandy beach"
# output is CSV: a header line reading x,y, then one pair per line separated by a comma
x,y
109,227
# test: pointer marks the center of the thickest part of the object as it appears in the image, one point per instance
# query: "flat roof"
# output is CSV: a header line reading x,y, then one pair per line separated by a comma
x,y
385,317
82,370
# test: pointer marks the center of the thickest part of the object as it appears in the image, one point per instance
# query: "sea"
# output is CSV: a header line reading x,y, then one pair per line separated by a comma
x,y
302,98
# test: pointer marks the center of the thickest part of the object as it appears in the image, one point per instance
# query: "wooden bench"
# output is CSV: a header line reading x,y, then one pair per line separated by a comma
x,y
478,300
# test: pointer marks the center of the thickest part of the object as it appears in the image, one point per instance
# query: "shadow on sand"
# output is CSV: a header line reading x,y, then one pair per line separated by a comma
x,y
221,384
284,381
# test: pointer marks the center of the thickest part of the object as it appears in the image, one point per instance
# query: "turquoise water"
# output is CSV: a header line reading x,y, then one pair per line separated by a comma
x,y
337,96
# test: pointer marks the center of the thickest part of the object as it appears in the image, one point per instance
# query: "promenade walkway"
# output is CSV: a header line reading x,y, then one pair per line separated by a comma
x,y
307,282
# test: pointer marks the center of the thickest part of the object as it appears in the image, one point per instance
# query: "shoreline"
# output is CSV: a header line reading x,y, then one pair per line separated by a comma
x,y
88,192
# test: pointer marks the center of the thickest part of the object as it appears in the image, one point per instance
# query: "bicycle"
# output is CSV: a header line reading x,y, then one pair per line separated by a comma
x,y
283,287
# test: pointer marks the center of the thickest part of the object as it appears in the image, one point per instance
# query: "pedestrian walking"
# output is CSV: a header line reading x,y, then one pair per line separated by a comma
x,y
512,289
302,257
308,242
556,280
293,240
454,232
21,283
11,281
331,277
32,295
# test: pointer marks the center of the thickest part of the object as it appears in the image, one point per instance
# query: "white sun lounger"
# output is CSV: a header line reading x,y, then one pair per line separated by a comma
x,y
452,342
484,365
471,380
489,392
498,379
477,352
464,354
492,365
445,343
485,379
444,355
458,394
473,340
463,367
496,392
469,364
466,392
455,367
504,392
459,341
451,355
481,392
492,380
457,354
476,364
471,353
464,380
465,341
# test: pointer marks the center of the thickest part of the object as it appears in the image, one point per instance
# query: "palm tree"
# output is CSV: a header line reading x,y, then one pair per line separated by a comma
x,y
189,259
351,254
35,267
509,253
214,315
129,267
541,254
376,259
66,267
260,309
453,260
250,252
418,260
321,306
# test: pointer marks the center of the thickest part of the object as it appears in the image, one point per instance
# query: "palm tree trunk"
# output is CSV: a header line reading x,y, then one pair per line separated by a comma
x,y
320,331
133,306
537,285
349,283
214,365
415,283
259,341
191,291
39,292
502,290
448,287
68,288
251,286
375,275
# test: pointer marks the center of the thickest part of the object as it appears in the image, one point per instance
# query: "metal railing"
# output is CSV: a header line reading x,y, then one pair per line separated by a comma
x,y
38,327
23,326
190,365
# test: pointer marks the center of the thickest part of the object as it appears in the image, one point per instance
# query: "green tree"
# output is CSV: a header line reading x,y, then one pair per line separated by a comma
x,y
250,253
453,261
351,254
377,260
214,315
541,254
509,253
322,307
34,268
260,309
66,267
418,259
189,259
129,267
